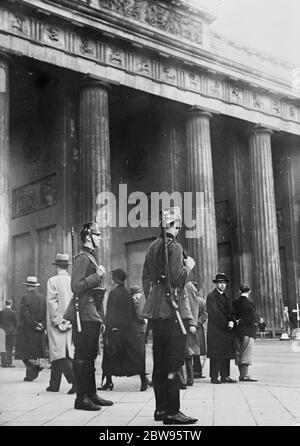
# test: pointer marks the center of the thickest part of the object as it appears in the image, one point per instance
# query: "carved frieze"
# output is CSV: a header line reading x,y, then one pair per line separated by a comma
x,y
128,8
216,88
157,16
169,74
18,24
194,81
257,101
96,48
143,65
276,107
236,95
115,56
34,196
87,47
53,35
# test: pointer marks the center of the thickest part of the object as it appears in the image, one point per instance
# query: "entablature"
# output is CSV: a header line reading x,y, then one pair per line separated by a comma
x,y
73,32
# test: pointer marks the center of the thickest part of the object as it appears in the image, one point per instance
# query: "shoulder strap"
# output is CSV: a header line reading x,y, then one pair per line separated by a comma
x,y
90,257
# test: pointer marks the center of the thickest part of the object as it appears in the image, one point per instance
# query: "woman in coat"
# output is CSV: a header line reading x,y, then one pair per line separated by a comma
x,y
121,356
30,342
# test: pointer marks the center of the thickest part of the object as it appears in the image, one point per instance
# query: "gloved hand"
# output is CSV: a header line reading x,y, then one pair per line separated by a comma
x,y
189,262
39,327
193,329
101,271
64,326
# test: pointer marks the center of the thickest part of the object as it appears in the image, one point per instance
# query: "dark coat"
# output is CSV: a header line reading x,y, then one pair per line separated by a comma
x,y
245,312
8,321
84,279
220,339
156,304
122,354
30,343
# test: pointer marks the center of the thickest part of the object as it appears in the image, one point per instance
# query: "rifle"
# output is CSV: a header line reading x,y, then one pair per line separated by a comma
x,y
76,298
170,295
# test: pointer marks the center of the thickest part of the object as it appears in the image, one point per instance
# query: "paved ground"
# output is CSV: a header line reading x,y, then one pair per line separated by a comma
x,y
273,401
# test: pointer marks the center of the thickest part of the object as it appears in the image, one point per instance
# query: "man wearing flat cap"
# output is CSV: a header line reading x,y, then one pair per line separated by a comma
x,y
30,343
168,338
220,339
59,329
86,284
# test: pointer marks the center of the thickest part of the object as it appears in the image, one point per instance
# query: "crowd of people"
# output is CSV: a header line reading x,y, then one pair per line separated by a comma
x,y
70,320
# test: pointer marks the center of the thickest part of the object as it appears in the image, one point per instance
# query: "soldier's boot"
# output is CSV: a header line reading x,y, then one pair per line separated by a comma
x,y
174,416
82,401
189,371
91,383
173,396
160,392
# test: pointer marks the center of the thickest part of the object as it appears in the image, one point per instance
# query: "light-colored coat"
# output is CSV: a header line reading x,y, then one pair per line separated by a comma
x,y
59,295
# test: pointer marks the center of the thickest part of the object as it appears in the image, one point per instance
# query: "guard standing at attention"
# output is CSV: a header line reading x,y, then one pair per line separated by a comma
x,y
167,307
84,312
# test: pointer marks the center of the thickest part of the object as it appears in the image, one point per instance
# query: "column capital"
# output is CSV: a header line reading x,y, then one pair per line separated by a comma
x,y
258,129
89,81
196,111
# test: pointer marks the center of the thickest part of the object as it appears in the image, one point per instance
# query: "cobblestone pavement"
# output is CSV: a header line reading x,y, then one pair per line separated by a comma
x,y
273,401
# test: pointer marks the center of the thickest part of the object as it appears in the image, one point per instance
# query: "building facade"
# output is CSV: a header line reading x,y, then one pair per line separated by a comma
x,y
95,94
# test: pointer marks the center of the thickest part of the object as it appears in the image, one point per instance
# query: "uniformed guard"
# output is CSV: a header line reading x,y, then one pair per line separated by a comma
x,y
86,281
164,275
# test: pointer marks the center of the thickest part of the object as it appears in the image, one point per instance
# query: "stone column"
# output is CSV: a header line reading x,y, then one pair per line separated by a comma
x,y
95,170
266,260
199,172
4,175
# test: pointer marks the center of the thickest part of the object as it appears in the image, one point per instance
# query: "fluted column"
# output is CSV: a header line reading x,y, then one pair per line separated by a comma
x,y
95,170
266,260
4,174
199,172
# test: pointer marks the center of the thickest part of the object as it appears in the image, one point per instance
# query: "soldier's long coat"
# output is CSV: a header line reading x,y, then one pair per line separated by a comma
x,y
220,339
30,343
59,295
156,304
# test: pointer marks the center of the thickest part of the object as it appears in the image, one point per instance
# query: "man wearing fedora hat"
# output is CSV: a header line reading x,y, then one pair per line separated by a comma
x,y
220,339
59,329
30,344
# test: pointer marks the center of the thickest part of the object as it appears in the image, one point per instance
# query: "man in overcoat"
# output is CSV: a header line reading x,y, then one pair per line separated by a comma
x,y
59,330
86,281
30,343
8,321
168,339
220,337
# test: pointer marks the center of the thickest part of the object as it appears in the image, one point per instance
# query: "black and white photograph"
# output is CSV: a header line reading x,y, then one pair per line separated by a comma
x,y
149,216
